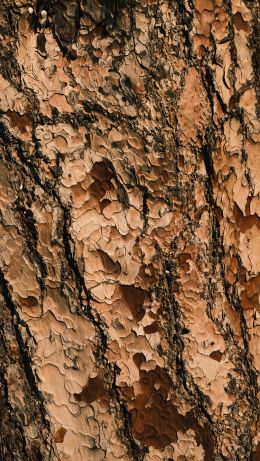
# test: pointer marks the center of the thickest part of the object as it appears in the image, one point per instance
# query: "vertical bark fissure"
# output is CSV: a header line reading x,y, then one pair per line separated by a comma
x,y
22,346
136,450
175,332
242,360
254,42
15,434
85,307
85,304
14,440
186,24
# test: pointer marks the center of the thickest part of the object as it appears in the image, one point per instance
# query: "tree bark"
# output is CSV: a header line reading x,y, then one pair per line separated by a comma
x,y
130,244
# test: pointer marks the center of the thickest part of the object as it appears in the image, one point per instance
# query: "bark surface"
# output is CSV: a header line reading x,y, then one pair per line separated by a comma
x,y
130,243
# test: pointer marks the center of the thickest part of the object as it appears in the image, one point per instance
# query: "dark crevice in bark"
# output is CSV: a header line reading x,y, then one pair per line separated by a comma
x,y
114,116
26,360
26,165
185,21
110,13
132,4
30,169
246,359
9,67
37,145
6,439
134,449
137,451
27,220
242,359
14,443
121,190
254,43
211,89
12,437
192,392
75,120
232,49
85,305
145,208
145,194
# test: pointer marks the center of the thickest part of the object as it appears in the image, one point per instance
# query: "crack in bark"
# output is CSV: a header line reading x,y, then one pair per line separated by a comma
x,y
243,361
11,441
22,346
175,332
95,319
137,450
28,224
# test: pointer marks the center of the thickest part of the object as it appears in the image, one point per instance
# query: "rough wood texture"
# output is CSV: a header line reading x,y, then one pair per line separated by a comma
x,y
130,243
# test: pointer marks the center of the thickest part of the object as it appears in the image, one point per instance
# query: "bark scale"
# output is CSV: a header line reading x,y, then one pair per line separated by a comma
x,y
129,262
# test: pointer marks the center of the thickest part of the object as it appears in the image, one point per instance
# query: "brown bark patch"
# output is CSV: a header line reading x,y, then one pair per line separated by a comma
x,y
109,265
134,297
94,390
216,355
240,24
256,453
250,294
245,222
153,328
155,418
31,301
19,121
59,435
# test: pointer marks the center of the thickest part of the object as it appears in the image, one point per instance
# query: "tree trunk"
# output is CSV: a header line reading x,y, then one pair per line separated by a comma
x,y
130,244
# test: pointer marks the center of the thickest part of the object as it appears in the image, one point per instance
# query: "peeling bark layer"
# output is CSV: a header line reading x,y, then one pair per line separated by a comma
x,y
130,267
